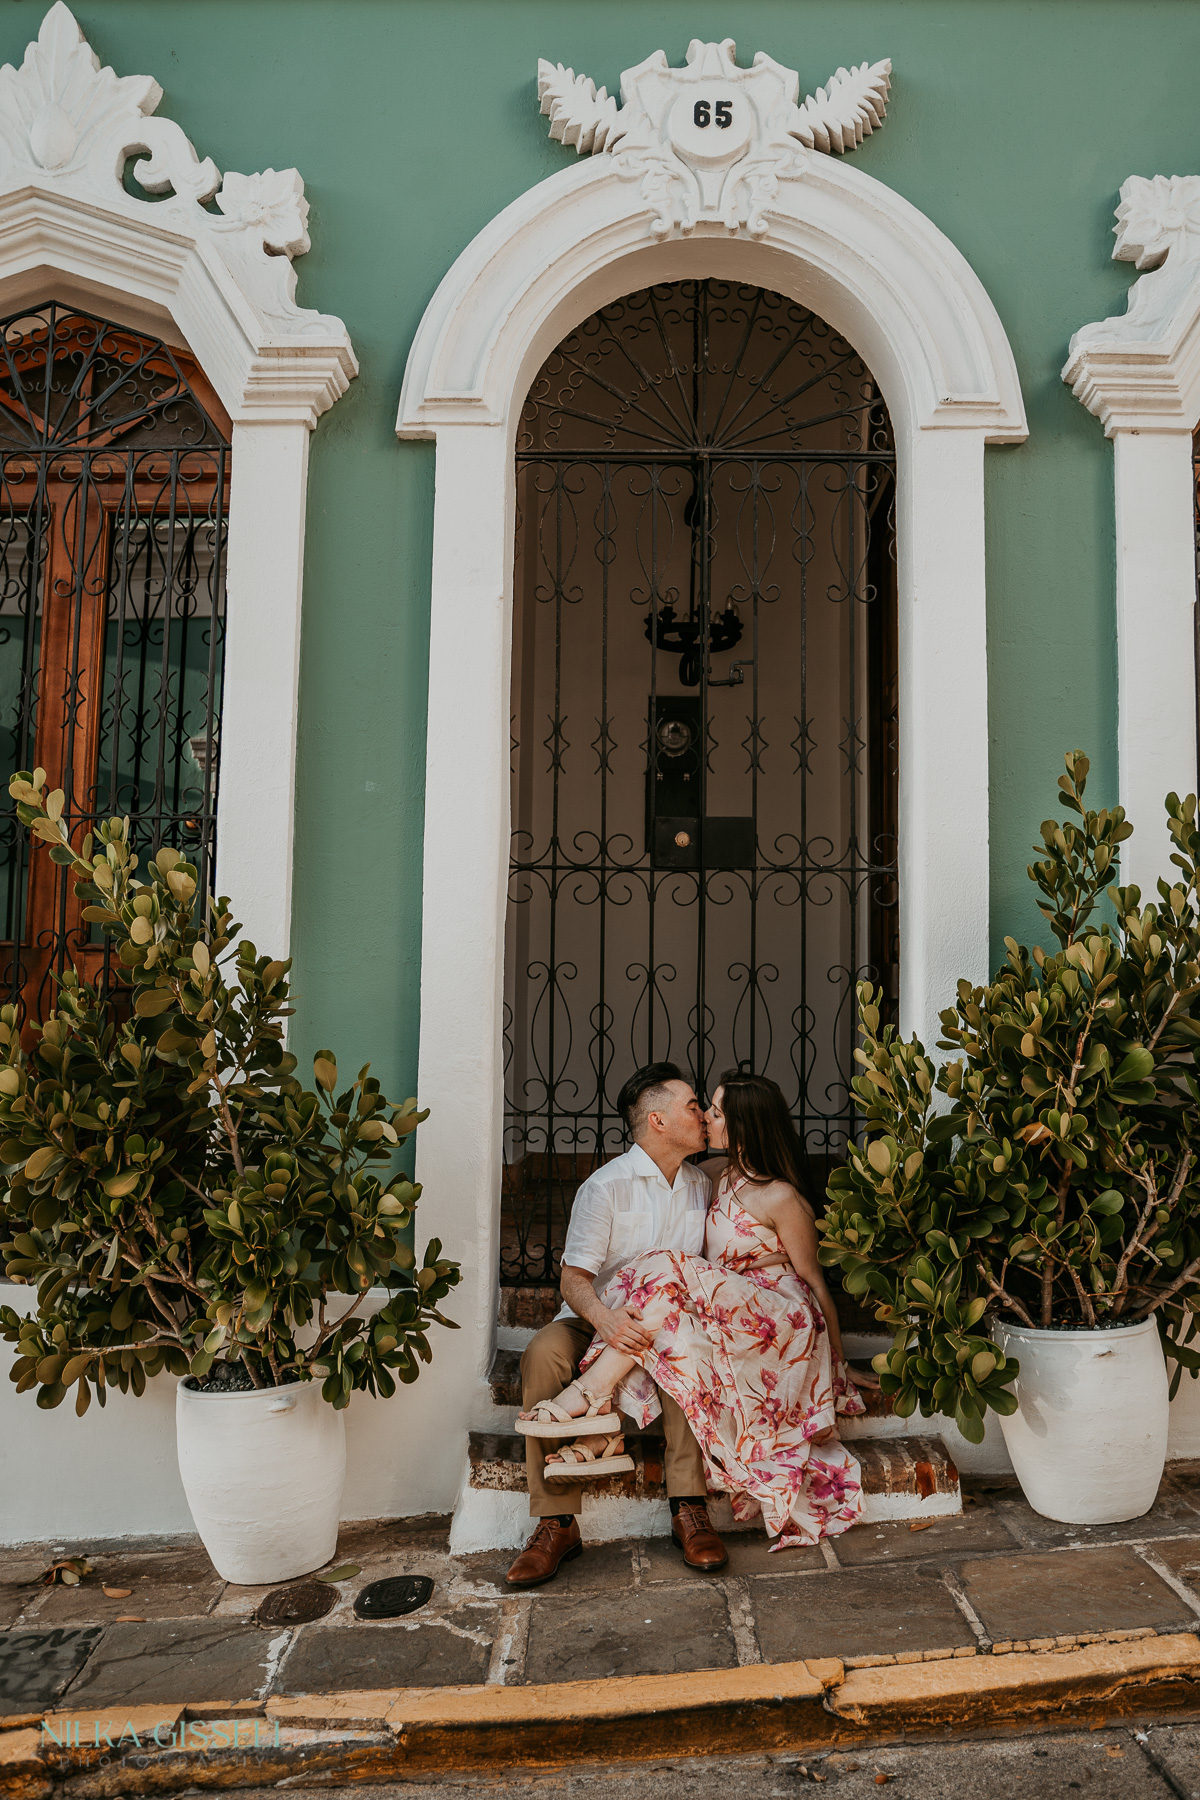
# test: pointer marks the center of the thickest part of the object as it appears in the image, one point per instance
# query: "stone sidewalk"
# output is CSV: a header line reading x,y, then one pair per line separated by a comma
x,y
992,1581
997,1580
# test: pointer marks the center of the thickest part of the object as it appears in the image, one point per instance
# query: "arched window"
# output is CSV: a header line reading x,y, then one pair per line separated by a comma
x,y
704,700
114,486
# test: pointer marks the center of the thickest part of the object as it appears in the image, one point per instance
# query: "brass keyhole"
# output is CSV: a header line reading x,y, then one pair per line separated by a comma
x,y
683,839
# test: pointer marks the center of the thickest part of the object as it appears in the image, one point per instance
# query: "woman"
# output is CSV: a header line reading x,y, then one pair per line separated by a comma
x,y
746,1340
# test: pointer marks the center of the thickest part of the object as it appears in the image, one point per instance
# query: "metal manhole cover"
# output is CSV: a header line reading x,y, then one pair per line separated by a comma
x,y
392,1598
298,1604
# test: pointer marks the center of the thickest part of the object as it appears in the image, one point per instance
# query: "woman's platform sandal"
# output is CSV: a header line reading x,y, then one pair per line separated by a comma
x,y
550,1418
579,1462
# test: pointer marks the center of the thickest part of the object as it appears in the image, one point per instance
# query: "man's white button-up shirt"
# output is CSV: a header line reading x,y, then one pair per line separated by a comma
x,y
627,1207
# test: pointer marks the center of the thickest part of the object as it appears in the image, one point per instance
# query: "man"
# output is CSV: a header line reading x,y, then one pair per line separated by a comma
x,y
649,1199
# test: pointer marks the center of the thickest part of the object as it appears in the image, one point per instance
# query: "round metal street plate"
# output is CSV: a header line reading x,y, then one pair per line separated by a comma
x,y
392,1598
298,1604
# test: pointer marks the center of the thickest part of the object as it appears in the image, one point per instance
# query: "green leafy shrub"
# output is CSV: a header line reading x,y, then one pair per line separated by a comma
x,y
177,1196
1058,1183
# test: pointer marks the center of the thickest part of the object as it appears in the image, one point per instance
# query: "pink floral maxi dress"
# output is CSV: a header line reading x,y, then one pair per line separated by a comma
x,y
745,1352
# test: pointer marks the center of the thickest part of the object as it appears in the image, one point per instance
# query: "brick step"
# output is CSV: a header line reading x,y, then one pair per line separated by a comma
x,y
504,1381
902,1477
527,1308
504,1378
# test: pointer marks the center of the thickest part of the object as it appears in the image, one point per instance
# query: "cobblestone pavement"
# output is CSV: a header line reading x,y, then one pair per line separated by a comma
x,y
1161,1764
996,1579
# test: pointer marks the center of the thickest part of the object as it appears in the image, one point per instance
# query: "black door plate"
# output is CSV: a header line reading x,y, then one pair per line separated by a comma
x,y
727,843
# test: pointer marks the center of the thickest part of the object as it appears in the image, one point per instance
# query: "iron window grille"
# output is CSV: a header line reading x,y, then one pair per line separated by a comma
x,y
114,489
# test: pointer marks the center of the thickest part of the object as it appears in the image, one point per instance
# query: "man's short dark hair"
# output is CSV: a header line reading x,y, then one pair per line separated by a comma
x,y
643,1090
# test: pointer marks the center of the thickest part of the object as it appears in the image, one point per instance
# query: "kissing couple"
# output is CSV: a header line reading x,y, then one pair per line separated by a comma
x,y
693,1291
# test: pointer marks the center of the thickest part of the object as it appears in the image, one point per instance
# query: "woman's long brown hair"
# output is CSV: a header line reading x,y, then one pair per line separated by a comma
x,y
762,1139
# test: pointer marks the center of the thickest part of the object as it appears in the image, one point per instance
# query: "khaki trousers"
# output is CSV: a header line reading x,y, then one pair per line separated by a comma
x,y
550,1361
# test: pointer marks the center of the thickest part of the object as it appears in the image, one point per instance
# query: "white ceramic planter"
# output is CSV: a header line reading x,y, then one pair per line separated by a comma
x,y
263,1473
1089,1437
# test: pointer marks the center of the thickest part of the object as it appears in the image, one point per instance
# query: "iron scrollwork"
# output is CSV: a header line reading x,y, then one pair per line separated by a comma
x,y
114,478
704,859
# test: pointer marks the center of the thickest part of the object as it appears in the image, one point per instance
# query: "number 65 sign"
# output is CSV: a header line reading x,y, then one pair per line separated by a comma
x,y
712,140
710,124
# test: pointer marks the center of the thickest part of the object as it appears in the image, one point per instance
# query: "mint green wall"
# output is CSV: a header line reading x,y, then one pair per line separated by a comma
x,y
1012,124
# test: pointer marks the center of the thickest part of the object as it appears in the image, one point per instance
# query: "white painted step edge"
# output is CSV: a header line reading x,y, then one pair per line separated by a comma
x,y
488,1519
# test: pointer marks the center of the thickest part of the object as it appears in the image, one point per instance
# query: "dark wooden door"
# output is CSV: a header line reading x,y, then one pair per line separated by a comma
x,y
114,483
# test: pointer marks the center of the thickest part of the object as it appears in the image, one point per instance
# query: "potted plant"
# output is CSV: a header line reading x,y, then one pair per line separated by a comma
x,y
1055,1198
184,1204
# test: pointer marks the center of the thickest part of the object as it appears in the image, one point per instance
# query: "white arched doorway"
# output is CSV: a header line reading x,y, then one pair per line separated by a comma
x,y
859,256
704,731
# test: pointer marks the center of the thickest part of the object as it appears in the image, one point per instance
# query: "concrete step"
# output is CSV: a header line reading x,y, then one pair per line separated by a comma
x,y
879,1420
533,1306
902,1477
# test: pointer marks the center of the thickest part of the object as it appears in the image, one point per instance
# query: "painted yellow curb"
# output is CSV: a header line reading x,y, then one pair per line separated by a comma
x,y
387,1734
103,1729
614,1697
857,1696
23,1774
364,1709
19,1748
800,1705
1110,1678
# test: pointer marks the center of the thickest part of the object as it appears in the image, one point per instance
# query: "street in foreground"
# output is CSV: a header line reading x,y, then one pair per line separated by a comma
x,y
1160,1764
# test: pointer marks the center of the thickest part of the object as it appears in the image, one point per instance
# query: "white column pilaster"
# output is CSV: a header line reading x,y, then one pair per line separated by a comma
x,y
259,709
1156,593
461,1068
944,870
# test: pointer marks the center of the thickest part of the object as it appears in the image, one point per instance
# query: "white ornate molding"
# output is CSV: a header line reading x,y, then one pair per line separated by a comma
x,y
204,260
712,141
68,127
854,250
883,275
1139,374
1141,370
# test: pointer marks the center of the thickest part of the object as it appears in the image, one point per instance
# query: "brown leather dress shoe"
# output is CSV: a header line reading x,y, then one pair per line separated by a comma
x,y
693,1532
550,1545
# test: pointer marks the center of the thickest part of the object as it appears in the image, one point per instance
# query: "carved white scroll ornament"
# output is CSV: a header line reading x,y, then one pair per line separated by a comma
x,y
69,125
1142,367
712,141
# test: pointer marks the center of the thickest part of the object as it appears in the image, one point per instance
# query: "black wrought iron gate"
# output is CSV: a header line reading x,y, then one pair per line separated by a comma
x,y
705,731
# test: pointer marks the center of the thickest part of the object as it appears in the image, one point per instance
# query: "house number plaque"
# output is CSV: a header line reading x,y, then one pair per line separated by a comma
x,y
711,124
712,140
